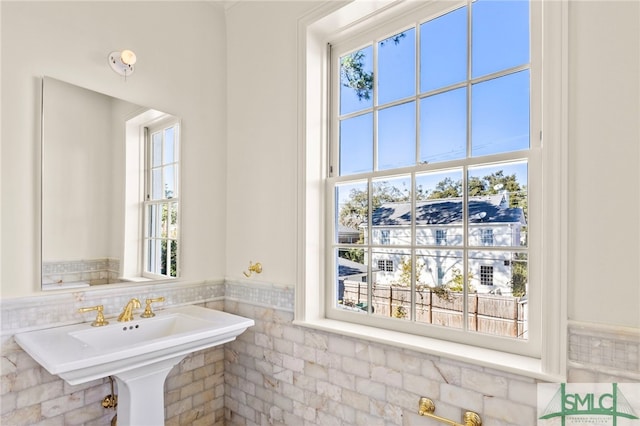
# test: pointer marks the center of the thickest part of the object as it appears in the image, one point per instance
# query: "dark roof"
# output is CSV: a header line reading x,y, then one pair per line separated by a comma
x,y
348,267
447,211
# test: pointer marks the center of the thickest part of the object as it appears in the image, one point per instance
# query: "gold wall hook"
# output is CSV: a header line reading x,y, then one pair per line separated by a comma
x,y
257,268
426,407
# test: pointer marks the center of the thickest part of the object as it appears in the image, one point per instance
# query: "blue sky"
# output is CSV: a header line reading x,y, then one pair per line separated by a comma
x,y
499,107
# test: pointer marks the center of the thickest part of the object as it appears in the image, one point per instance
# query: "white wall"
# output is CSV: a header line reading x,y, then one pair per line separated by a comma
x,y
262,139
604,232
604,161
180,70
82,173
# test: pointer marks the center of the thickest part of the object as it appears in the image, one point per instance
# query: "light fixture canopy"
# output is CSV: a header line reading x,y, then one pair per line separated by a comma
x,y
122,62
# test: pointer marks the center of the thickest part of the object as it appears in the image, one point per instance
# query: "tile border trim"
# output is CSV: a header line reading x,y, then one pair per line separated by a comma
x,y
593,346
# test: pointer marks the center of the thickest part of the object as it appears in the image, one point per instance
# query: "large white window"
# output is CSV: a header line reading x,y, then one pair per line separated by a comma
x,y
161,204
433,136
430,134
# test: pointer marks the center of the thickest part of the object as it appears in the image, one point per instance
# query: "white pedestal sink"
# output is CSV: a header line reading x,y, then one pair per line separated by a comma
x,y
139,353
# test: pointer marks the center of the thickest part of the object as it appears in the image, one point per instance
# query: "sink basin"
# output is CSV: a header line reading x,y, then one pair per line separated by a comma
x,y
141,332
139,353
79,353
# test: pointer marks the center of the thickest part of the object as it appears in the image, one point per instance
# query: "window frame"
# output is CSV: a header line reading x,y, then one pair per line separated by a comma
x,y
160,125
137,162
315,30
370,37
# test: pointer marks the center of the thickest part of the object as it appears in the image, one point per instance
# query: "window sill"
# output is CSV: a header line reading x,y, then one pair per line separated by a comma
x,y
136,279
497,360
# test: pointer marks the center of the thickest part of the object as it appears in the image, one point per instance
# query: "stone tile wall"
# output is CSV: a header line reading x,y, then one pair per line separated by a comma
x,y
603,353
90,271
280,374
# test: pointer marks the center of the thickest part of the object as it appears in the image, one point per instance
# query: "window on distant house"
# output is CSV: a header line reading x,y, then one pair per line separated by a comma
x,y
385,265
487,237
385,237
162,200
431,134
486,275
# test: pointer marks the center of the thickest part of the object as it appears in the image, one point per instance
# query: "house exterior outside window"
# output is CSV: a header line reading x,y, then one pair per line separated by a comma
x,y
385,237
436,220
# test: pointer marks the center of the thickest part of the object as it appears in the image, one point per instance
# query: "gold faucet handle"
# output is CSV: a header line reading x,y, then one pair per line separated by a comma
x,y
148,313
99,321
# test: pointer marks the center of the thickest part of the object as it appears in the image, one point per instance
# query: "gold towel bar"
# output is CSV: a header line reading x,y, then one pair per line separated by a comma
x,y
426,408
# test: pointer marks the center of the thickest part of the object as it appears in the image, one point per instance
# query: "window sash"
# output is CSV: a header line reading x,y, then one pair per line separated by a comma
x,y
161,229
531,156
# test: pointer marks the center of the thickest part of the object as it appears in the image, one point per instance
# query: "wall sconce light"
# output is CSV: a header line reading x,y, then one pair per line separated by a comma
x,y
122,62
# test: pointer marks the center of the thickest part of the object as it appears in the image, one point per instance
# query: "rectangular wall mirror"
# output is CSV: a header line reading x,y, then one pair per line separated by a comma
x,y
110,189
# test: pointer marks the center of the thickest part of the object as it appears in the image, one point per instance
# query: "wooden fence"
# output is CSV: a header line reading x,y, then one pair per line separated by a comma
x,y
487,313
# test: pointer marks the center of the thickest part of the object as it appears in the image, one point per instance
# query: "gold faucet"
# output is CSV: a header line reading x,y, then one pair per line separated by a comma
x,y
100,321
127,312
148,313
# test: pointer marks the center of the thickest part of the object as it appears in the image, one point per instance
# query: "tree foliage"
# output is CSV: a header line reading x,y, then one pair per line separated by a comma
x,y
519,276
353,74
355,211
447,188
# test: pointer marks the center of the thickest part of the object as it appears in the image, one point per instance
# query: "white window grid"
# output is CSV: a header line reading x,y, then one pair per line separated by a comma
x,y
530,156
167,202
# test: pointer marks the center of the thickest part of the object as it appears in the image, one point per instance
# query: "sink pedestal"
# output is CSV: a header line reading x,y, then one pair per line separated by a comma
x,y
141,393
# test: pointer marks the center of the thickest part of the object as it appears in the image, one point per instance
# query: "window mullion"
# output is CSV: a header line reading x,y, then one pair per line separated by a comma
x,y
369,246
417,90
376,107
414,257
465,176
465,250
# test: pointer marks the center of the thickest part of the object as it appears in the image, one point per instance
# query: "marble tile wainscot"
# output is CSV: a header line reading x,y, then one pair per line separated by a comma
x,y
281,374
